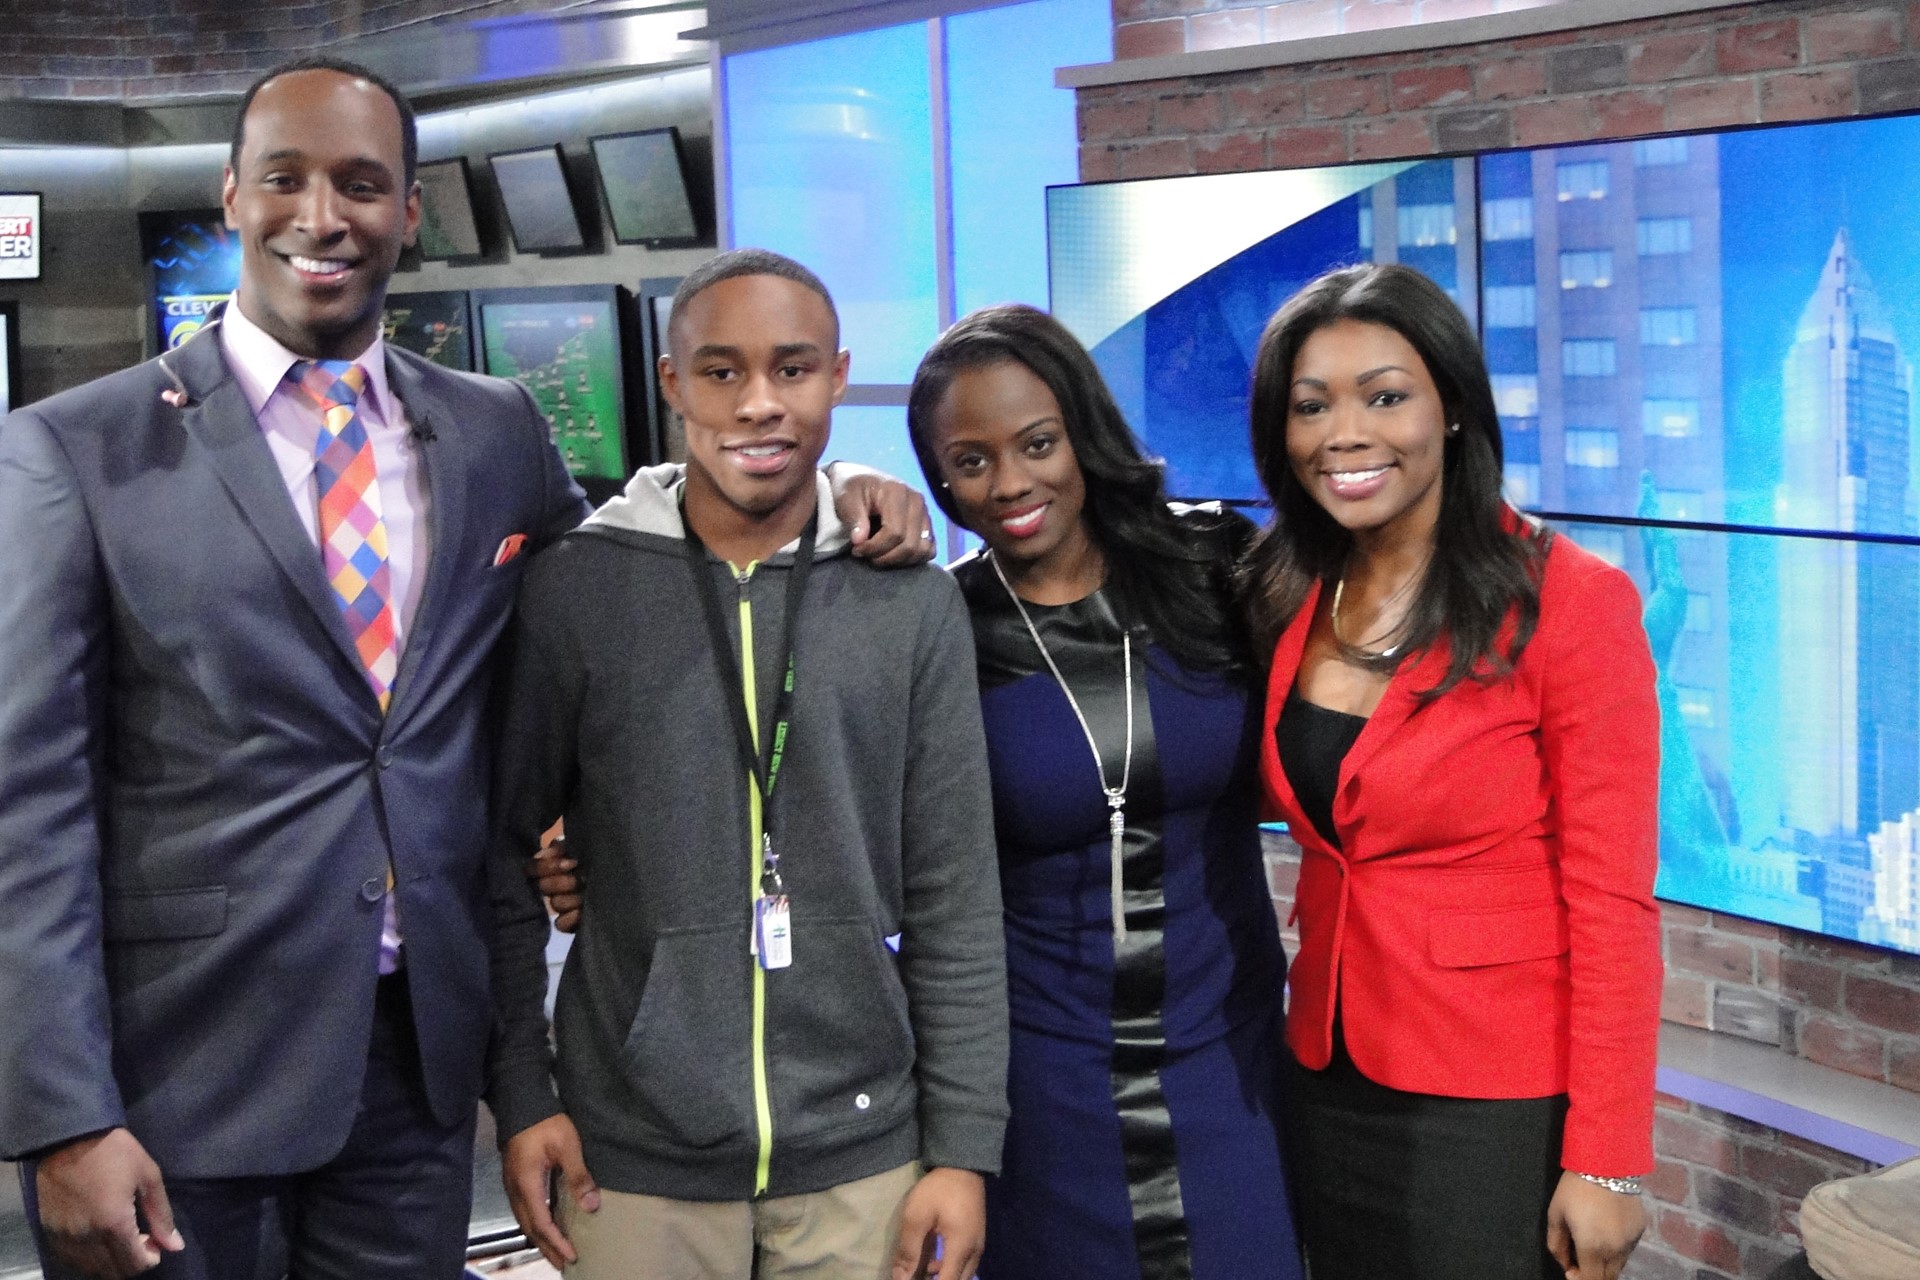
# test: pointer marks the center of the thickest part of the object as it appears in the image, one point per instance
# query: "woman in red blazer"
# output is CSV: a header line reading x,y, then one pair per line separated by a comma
x,y
1462,734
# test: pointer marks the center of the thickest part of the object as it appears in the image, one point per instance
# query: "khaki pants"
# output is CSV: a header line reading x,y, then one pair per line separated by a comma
x,y
843,1233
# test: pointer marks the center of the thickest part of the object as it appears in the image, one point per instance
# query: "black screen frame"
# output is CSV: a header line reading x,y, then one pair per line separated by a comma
x,y
10,352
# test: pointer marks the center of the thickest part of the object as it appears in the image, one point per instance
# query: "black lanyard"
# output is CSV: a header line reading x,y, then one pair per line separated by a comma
x,y
764,775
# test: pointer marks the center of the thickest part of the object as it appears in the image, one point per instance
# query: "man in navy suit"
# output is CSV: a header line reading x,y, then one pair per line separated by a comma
x,y
243,955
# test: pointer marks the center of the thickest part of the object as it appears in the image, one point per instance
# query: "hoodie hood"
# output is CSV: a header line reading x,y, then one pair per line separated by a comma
x,y
651,504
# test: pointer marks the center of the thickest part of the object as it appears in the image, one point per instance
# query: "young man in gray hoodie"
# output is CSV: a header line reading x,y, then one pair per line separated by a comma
x,y
770,762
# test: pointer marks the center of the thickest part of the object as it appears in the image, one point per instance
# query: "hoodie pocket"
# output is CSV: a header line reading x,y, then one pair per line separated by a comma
x,y
687,1051
841,1045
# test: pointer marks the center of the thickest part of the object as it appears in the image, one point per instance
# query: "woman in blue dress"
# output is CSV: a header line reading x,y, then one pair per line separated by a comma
x,y
1143,959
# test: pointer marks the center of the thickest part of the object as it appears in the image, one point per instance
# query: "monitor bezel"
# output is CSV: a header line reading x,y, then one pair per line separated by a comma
x,y
566,188
686,190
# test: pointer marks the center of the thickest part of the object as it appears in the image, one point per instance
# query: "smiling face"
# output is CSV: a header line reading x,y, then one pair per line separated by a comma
x,y
1367,430
323,207
755,375
1006,459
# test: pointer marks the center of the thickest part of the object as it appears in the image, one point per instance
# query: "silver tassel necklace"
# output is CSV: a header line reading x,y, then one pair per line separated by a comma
x,y
1116,796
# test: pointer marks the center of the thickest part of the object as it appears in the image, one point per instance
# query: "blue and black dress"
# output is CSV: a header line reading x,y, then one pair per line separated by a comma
x,y
1144,1073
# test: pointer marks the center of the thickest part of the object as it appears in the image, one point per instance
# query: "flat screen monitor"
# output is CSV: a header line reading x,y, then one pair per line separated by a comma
x,y
1704,385
1169,283
194,261
565,345
540,210
447,228
10,394
645,182
437,325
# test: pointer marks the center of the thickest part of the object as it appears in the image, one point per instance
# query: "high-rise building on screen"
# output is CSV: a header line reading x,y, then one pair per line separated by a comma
x,y
1851,746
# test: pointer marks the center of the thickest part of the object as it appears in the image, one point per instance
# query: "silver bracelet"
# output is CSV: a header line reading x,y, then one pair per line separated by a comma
x,y
1625,1186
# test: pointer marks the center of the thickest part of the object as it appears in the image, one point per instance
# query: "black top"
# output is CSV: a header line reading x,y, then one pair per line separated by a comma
x,y
1313,740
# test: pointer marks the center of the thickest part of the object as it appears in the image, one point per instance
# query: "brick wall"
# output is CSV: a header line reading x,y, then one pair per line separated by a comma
x,y
1850,1007
1778,61
131,50
1151,28
1725,1194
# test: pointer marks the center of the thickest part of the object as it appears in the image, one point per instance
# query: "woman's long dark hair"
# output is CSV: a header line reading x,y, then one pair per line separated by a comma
x,y
1173,575
1482,572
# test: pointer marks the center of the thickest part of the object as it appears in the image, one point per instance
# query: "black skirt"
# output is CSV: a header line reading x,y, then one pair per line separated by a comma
x,y
1418,1187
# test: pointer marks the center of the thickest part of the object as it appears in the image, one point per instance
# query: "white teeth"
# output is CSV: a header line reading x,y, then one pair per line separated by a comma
x,y
1355,477
1021,523
318,266
762,450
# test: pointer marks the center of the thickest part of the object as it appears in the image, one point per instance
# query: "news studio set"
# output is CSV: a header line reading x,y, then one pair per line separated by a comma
x,y
1682,235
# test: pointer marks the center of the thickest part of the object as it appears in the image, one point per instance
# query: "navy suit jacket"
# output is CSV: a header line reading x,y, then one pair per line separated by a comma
x,y
199,796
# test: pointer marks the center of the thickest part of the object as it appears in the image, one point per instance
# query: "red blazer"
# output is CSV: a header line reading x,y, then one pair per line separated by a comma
x,y
1489,923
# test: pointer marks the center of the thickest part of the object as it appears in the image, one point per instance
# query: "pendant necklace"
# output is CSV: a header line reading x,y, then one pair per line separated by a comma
x,y
1116,795
1333,616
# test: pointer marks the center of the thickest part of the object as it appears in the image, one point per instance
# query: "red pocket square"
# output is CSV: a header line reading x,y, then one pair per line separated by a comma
x,y
509,548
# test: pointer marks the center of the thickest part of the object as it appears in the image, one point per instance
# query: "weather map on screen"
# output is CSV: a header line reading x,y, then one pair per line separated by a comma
x,y
433,325
568,355
1701,383
447,229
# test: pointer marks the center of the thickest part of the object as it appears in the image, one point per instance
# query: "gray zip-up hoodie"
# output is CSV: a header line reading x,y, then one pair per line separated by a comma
x,y
689,1071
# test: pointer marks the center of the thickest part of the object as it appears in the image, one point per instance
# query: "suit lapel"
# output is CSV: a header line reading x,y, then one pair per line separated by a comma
x,y
1400,701
221,422
437,444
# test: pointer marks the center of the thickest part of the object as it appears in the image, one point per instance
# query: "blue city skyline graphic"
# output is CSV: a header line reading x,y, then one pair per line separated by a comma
x,y
1704,365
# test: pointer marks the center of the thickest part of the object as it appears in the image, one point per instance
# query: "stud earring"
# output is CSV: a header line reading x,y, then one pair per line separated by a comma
x,y
1453,429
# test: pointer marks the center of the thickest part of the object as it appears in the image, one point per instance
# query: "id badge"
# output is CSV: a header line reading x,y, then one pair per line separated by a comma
x,y
773,931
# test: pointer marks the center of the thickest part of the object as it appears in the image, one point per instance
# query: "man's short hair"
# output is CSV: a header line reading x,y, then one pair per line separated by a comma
x,y
748,262
409,132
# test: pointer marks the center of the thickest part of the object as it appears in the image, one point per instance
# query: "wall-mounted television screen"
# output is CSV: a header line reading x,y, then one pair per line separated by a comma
x,y
565,344
447,228
195,266
11,397
540,210
645,182
437,325
1703,384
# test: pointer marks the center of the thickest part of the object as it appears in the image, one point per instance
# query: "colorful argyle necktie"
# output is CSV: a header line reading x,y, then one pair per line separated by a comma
x,y
353,538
